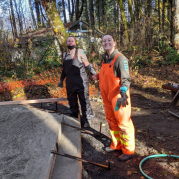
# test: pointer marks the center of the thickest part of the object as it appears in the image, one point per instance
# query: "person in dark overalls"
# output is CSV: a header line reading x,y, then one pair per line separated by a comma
x,y
77,85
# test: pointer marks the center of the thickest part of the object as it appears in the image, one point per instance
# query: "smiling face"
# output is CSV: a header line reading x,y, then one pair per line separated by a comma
x,y
71,41
108,43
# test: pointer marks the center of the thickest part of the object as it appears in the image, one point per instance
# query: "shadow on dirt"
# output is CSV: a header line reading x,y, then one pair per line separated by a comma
x,y
37,92
5,96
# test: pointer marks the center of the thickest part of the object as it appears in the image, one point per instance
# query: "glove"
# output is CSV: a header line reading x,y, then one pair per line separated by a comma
x,y
60,84
121,101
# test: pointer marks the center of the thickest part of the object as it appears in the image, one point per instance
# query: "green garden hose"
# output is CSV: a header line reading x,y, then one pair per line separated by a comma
x,y
153,156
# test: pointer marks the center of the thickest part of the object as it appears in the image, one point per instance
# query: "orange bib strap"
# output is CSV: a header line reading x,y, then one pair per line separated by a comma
x,y
113,61
76,53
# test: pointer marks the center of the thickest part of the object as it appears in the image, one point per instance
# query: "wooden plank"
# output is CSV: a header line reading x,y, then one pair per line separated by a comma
x,y
173,114
169,87
33,101
52,157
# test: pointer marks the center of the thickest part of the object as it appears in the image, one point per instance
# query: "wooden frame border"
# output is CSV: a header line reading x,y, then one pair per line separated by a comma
x,y
33,101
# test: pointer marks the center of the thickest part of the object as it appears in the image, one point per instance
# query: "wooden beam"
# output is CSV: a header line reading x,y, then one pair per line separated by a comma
x,y
169,87
174,114
33,101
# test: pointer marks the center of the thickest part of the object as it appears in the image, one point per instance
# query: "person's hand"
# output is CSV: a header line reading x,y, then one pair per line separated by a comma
x,y
60,84
95,77
121,101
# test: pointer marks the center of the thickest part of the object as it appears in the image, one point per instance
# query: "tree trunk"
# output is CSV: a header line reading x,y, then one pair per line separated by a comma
x,y
21,15
81,10
38,13
118,23
148,36
86,11
45,18
32,14
13,20
91,9
19,18
132,21
23,19
163,15
98,14
123,17
72,12
78,9
42,16
64,12
56,23
176,26
69,9
159,16
115,13
103,11
171,21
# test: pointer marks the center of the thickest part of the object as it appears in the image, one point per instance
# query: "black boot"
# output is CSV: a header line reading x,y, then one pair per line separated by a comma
x,y
125,157
85,123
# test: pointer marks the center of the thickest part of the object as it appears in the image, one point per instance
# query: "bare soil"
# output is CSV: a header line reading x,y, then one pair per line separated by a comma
x,y
156,132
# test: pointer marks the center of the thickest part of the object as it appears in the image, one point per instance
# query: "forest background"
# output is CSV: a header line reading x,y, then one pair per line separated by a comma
x,y
146,31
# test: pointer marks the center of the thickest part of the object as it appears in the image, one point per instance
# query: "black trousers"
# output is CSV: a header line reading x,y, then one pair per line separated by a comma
x,y
83,96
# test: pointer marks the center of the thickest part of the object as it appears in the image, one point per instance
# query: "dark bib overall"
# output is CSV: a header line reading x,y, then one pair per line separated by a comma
x,y
77,86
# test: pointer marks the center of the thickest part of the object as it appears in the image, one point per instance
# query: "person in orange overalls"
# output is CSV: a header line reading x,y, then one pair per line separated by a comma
x,y
114,83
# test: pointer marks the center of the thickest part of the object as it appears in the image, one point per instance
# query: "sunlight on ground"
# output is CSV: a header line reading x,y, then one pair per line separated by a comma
x,y
150,96
50,121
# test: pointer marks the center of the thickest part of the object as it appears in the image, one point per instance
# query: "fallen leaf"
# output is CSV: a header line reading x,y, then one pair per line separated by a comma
x,y
146,172
136,108
164,173
129,173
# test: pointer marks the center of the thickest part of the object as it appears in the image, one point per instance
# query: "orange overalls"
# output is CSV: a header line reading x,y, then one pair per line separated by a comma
x,y
120,123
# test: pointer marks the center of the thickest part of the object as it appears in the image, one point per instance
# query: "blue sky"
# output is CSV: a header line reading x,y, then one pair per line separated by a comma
x,y
28,19
4,14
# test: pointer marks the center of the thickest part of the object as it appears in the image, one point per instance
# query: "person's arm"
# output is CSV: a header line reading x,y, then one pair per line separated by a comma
x,y
63,76
86,63
60,83
121,69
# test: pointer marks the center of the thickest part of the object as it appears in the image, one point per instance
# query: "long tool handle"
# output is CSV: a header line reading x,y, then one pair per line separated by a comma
x,y
83,160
